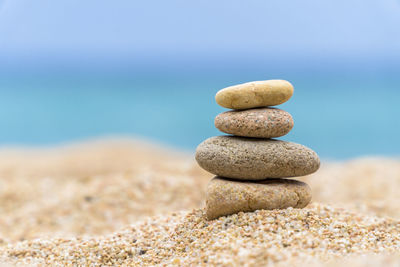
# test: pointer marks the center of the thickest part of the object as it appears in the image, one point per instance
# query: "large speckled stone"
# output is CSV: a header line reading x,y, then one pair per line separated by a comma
x,y
255,159
225,197
255,94
259,122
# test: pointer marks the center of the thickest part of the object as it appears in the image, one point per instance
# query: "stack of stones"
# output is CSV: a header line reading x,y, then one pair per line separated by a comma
x,y
250,166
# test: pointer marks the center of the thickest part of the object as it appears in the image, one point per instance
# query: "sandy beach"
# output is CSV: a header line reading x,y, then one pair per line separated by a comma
x,y
126,202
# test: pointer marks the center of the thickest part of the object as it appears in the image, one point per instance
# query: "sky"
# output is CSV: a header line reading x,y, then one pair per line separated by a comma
x,y
145,30
73,69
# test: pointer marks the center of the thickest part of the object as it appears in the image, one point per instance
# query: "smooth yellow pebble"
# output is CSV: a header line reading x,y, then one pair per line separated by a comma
x,y
255,94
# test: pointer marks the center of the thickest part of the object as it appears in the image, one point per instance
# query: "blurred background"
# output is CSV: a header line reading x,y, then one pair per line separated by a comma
x,y
75,70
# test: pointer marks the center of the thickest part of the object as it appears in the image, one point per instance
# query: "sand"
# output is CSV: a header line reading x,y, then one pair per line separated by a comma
x,y
127,202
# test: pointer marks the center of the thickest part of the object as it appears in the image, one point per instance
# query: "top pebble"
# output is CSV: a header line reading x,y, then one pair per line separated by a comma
x,y
255,94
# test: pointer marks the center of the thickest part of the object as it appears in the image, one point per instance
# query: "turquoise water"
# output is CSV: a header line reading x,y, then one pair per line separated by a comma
x,y
340,115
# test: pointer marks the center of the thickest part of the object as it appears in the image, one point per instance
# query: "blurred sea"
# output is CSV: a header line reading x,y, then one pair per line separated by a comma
x,y
338,114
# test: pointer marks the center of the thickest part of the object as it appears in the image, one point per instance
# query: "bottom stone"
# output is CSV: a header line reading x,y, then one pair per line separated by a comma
x,y
225,196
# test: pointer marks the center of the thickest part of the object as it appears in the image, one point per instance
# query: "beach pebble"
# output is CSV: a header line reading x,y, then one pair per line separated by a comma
x,y
260,122
255,94
255,159
225,197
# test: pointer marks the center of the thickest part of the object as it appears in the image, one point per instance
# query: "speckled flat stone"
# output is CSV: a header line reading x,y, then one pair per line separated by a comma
x,y
255,94
259,122
225,197
255,159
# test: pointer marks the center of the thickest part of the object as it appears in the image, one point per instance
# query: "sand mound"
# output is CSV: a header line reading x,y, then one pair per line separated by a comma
x,y
290,236
88,192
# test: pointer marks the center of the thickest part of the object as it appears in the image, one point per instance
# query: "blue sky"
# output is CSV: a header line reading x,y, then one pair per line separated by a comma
x,y
74,69
153,29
